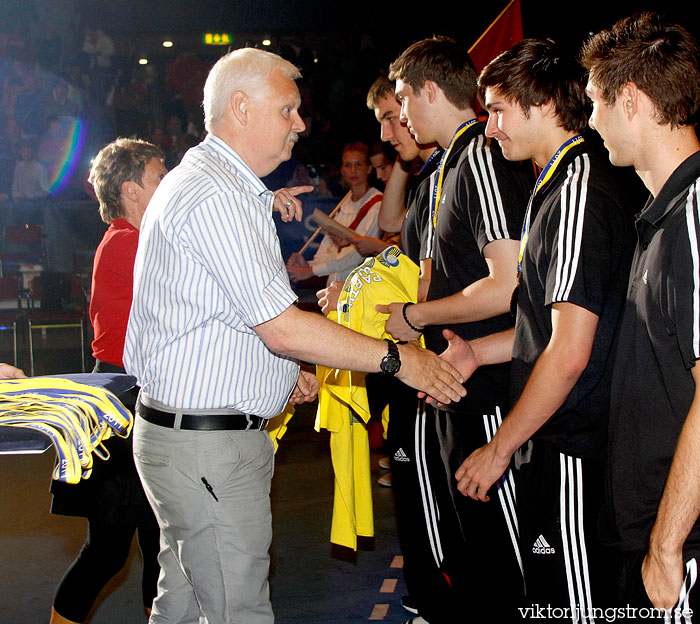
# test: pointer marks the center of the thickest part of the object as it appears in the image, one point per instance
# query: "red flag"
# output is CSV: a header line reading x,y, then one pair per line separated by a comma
x,y
503,33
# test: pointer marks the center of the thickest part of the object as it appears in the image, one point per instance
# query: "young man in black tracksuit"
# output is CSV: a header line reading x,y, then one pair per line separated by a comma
x,y
573,265
477,202
644,83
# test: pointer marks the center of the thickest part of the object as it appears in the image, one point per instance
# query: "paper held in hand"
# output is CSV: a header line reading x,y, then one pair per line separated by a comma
x,y
329,225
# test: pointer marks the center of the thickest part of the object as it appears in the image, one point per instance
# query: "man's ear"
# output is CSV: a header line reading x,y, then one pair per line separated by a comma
x,y
548,109
629,98
240,107
430,90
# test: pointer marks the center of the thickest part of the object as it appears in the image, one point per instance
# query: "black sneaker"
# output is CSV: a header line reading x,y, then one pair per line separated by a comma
x,y
408,603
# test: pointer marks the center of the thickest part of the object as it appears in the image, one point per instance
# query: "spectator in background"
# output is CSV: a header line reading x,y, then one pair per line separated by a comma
x,y
177,142
60,102
29,105
158,138
78,83
99,49
382,158
31,180
358,210
302,177
9,140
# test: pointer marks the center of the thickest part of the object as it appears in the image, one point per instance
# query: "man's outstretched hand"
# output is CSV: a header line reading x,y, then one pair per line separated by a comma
x,y
434,377
460,354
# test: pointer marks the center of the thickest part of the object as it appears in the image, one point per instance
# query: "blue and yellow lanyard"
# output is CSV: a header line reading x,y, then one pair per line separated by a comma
x,y
543,178
76,417
439,178
432,156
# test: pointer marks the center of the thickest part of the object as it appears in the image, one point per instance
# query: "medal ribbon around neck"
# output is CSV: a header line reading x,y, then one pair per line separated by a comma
x,y
543,178
437,188
430,159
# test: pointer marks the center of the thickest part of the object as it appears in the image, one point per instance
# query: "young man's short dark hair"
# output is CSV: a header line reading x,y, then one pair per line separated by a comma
x,y
383,148
443,61
660,57
381,87
535,72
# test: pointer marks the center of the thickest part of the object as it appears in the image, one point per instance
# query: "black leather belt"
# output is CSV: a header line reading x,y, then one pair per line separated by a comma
x,y
202,422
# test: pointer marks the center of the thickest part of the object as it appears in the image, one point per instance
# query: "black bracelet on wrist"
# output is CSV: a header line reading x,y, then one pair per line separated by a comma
x,y
405,318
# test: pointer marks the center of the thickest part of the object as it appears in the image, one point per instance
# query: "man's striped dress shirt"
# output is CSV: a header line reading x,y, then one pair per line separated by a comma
x,y
208,269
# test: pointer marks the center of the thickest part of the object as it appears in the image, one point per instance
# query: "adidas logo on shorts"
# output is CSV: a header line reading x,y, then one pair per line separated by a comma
x,y
400,456
541,547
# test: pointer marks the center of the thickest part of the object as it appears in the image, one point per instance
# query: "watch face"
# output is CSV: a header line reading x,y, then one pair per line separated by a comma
x,y
390,365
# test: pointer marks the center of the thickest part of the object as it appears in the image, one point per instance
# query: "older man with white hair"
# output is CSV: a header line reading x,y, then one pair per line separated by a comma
x,y
214,338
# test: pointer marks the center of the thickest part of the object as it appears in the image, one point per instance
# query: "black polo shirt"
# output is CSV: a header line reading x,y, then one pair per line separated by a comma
x,y
483,199
416,225
658,345
578,251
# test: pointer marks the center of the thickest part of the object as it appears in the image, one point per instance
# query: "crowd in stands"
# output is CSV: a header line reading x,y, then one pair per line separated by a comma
x,y
49,75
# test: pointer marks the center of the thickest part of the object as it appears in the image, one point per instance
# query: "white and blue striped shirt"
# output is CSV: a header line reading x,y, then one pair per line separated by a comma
x,y
208,269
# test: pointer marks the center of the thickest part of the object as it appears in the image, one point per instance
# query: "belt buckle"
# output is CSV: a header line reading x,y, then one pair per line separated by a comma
x,y
258,426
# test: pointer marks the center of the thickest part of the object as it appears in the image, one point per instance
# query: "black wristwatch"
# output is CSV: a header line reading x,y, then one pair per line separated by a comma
x,y
391,362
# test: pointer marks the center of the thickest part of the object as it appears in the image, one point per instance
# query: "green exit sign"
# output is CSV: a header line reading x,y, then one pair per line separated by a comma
x,y
221,38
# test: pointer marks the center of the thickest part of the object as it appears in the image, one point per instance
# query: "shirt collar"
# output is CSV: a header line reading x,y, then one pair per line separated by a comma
x,y
121,224
227,152
658,207
473,131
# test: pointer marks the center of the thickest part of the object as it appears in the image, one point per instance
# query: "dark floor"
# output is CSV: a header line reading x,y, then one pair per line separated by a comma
x,y
311,582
